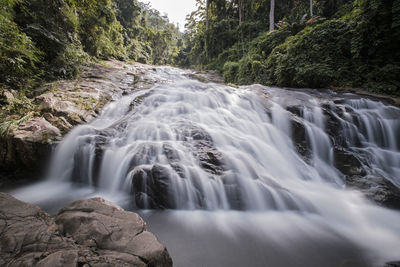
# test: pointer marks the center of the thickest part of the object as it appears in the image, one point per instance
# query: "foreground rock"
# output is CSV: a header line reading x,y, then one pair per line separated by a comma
x,y
88,232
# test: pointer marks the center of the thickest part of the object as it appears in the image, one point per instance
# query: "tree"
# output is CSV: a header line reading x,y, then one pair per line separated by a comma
x,y
207,14
272,16
241,9
311,8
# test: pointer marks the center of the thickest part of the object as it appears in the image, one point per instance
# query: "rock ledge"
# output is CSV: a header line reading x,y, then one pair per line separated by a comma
x,y
87,232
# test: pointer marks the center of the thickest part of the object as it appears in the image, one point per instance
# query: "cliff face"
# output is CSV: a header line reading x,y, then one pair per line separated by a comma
x,y
31,125
88,232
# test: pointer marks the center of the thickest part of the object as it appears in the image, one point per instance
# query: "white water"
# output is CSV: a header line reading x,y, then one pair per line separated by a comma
x,y
295,211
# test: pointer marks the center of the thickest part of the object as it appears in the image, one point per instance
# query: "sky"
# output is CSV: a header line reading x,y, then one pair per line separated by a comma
x,y
176,9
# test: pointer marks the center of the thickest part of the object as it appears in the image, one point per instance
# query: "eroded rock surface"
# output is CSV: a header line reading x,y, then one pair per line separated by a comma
x,y
88,232
58,107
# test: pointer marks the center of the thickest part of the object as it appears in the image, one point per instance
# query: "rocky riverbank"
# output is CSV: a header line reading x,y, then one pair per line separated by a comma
x,y
30,125
87,232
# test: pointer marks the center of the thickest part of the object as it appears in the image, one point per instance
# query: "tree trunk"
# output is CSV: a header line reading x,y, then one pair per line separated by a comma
x,y
240,2
207,27
311,8
207,11
272,16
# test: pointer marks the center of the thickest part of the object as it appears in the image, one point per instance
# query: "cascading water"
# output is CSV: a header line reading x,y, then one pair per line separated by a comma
x,y
267,154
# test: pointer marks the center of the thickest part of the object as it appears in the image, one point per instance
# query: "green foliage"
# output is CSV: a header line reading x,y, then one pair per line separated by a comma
x,y
347,44
43,40
99,30
18,55
52,27
230,72
309,58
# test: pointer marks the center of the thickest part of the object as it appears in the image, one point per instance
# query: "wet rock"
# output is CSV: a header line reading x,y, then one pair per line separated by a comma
x,y
210,158
377,189
206,76
347,163
88,232
299,138
203,148
351,163
61,105
296,110
151,187
392,264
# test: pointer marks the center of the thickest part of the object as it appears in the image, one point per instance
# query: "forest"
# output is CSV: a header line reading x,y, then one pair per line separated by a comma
x,y
298,43
290,43
44,40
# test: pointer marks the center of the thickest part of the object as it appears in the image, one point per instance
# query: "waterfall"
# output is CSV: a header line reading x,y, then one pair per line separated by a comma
x,y
189,145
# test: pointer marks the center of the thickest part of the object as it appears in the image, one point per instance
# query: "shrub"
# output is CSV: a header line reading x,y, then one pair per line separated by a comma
x,y
230,72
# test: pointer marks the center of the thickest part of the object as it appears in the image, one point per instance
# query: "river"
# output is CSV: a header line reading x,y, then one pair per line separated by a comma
x,y
248,176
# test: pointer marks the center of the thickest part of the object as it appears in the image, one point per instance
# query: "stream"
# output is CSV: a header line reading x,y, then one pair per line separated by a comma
x,y
248,176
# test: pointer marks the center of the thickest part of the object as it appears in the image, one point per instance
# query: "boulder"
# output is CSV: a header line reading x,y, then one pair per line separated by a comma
x,y
150,186
36,130
29,145
87,232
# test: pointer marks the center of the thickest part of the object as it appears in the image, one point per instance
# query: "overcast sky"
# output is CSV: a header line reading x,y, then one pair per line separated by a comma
x,y
176,9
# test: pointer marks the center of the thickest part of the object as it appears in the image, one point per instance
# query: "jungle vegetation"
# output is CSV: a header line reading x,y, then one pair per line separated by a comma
x,y
287,43
42,40
298,43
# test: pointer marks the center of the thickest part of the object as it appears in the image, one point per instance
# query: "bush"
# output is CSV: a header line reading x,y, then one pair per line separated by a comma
x,y
315,57
18,55
250,71
230,72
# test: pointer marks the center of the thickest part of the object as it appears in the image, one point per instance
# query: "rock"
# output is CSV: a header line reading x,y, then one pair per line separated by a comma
x,y
36,130
299,138
150,186
208,76
28,146
392,264
377,189
203,148
6,97
210,158
87,232
58,107
347,162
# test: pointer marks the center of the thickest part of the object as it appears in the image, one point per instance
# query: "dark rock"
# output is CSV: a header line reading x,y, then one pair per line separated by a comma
x,y
150,186
88,232
210,158
347,163
377,189
392,264
299,137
